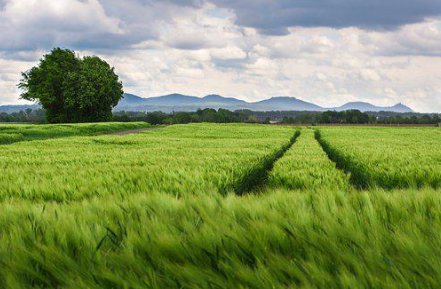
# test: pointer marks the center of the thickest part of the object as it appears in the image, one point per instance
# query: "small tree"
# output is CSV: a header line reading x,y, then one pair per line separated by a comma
x,y
72,89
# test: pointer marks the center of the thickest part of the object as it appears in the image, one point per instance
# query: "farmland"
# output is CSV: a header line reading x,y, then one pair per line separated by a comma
x,y
306,167
406,158
179,160
222,206
22,132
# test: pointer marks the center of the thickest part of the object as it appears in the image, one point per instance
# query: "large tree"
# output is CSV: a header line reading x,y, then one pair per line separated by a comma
x,y
72,89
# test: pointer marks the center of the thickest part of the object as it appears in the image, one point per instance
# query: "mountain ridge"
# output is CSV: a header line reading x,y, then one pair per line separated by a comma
x,y
365,106
180,102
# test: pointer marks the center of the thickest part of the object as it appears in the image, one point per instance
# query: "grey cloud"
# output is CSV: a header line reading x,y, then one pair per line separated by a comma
x,y
231,64
85,24
140,20
188,42
275,16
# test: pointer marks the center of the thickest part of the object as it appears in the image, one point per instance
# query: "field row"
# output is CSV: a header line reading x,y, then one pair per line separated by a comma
x,y
371,158
307,167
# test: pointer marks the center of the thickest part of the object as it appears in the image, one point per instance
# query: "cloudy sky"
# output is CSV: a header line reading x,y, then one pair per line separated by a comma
x,y
324,51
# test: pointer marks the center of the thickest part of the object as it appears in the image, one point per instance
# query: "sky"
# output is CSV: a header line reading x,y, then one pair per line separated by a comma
x,y
328,52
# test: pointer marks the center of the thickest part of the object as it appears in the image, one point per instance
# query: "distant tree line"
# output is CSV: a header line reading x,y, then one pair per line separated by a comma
x,y
246,116
287,117
201,115
414,119
349,116
27,115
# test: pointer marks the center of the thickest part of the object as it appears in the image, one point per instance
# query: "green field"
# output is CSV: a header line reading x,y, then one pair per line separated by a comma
x,y
11,133
220,206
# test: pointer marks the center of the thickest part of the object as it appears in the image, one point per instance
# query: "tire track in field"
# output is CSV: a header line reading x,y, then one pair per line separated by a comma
x,y
306,166
356,176
255,180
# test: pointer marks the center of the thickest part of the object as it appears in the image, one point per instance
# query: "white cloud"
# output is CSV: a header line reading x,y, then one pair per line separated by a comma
x,y
9,78
369,75
263,67
417,39
229,52
27,24
189,72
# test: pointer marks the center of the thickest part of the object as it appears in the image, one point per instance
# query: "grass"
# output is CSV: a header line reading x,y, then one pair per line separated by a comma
x,y
306,167
7,138
282,239
177,160
386,157
175,208
10,133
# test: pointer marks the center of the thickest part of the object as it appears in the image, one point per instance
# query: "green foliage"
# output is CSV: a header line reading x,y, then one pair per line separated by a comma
x,y
93,92
201,115
46,82
348,116
71,89
408,118
27,115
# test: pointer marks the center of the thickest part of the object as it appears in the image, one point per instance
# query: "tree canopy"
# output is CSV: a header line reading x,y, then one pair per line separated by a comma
x,y
72,89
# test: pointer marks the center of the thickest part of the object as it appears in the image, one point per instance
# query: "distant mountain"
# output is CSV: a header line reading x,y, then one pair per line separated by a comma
x,y
217,99
286,103
400,107
172,99
131,99
364,106
180,102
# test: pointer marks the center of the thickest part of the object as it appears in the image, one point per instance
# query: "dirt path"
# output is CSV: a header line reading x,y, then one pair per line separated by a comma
x,y
133,131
